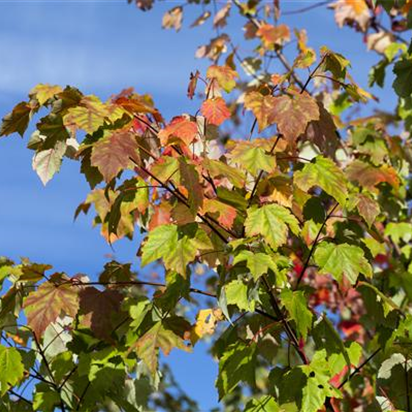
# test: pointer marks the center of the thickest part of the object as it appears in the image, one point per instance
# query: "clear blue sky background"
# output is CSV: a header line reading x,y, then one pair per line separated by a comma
x,y
102,47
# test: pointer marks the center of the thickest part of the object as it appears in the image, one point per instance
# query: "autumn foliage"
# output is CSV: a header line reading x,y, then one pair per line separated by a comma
x,y
290,209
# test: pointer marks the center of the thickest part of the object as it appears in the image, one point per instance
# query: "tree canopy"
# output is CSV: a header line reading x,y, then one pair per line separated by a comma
x,y
289,205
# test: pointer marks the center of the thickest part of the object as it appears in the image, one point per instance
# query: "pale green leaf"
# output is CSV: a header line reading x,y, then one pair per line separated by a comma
x,y
325,174
339,260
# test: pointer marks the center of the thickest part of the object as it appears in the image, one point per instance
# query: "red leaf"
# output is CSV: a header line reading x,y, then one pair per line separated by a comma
x,y
215,111
180,127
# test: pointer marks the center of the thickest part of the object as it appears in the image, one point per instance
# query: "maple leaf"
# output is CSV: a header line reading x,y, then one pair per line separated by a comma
x,y
257,263
112,153
190,180
292,114
11,368
201,19
47,162
271,222
325,174
367,207
17,120
161,216
221,16
347,11
297,306
218,169
158,337
44,92
342,259
323,133
215,110
227,213
173,18
370,176
224,75
89,116
180,127
54,297
262,108
174,246
206,323
273,35
403,72
236,364
191,88
98,308
253,158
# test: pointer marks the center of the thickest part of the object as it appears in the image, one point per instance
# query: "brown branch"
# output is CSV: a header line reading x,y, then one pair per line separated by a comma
x,y
408,401
83,395
313,73
314,244
252,194
183,200
46,363
358,368
17,395
280,317
307,8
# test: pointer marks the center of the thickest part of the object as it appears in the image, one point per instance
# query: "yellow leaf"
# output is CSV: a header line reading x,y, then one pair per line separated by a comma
x,y
206,322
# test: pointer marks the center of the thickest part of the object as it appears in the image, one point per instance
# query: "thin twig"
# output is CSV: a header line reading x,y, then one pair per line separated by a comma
x,y
358,369
314,244
288,329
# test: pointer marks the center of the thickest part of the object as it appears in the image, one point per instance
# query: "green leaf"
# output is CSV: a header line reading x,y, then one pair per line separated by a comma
x,y
403,80
264,404
253,158
317,387
176,247
339,260
257,263
158,337
297,306
237,364
45,399
399,231
236,293
271,222
11,368
325,174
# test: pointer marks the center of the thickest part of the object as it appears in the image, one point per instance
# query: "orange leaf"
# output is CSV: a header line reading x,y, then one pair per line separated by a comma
x,y
215,111
274,35
180,127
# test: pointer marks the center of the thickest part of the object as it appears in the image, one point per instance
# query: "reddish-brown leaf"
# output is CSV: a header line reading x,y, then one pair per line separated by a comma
x,y
98,309
215,111
53,298
112,153
369,176
293,113
191,88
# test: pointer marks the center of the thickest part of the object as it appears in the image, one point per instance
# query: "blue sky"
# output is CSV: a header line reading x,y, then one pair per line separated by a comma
x,y
102,47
